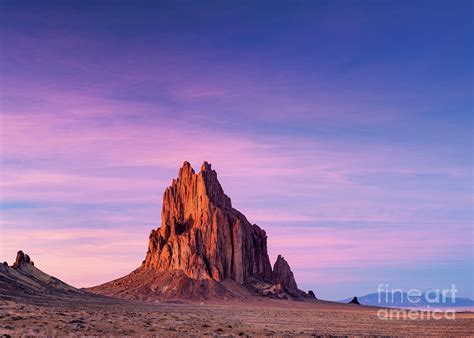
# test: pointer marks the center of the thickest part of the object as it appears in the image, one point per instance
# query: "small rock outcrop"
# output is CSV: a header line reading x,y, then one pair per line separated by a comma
x,y
21,259
203,248
282,274
311,294
354,301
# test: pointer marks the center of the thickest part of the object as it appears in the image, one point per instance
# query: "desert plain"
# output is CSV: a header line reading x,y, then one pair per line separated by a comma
x,y
92,316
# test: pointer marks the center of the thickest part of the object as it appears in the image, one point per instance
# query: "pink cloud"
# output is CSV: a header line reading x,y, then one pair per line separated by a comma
x,y
362,247
67,150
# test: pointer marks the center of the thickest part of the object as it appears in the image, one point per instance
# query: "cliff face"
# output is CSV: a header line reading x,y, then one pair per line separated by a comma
x,y
203,236
203,248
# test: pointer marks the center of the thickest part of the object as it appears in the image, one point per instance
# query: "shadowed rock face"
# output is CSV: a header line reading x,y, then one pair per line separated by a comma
x,y
203,248
203,236
21,259
282,274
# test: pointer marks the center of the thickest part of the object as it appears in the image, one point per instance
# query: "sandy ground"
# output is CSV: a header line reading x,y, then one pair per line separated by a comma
x,y
244,318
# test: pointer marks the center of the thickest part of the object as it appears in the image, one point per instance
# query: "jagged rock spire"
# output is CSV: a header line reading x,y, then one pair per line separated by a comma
x,y
282,274
201,242
202,235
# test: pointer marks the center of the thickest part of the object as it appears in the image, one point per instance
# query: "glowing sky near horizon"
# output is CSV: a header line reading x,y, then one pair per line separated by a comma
x,y
344,129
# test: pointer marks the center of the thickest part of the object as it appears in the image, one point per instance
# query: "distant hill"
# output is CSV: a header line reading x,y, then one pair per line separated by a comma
x,y
24,281
402,300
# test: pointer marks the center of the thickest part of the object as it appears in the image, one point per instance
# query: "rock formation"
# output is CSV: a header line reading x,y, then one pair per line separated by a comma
x,y
354,301
282,274
203,236
21,259
23,280
203,248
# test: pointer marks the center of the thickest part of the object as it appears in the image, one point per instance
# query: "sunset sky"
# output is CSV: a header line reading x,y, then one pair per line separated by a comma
x,y
343,128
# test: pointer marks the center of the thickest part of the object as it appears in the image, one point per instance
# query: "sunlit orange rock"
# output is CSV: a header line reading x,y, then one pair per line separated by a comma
x,y
203,236
204,248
